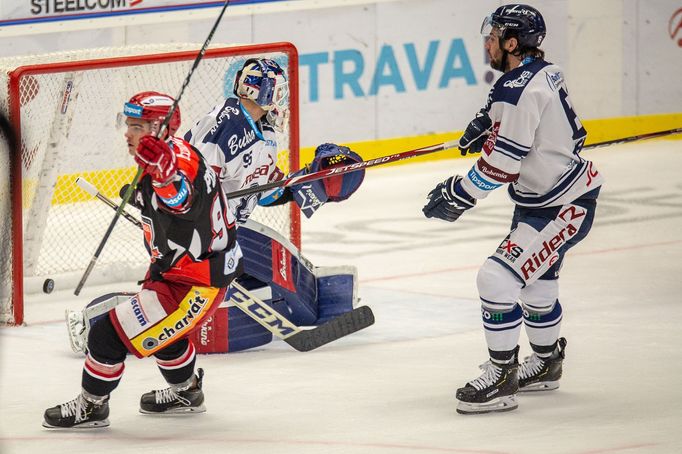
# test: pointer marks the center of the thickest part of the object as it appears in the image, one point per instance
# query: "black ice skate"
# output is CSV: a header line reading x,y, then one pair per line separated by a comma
x,y
174,400
542,374
493,391
79,413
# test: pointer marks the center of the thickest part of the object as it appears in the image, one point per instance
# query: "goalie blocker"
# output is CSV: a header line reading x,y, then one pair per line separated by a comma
x,y
275,272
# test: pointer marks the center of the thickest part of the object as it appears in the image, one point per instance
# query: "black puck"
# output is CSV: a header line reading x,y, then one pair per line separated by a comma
x,y
48,286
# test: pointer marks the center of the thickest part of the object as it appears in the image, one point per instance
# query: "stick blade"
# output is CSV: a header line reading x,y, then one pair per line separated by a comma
x,y
341,326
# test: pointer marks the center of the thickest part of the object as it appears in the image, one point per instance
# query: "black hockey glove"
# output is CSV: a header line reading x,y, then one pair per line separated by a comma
x,y
448,201
476,133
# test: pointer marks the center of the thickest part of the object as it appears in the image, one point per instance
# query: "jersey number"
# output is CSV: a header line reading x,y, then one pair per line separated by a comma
x,y
579,132
218,226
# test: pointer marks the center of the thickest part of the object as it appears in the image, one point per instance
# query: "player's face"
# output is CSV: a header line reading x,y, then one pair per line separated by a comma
x,y
135,130
492,47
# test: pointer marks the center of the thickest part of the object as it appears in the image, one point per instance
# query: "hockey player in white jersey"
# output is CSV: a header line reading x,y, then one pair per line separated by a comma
x,y
531,139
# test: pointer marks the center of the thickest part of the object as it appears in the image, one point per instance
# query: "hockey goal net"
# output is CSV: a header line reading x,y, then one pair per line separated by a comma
x,y
64,108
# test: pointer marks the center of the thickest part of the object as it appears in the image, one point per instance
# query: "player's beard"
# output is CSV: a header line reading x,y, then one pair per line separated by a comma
x,y
497,61
496,64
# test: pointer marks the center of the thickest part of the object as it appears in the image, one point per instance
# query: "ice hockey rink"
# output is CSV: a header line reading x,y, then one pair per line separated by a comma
x,y
390,388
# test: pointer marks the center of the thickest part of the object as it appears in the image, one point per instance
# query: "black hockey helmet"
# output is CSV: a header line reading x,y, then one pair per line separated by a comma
x,y
522,22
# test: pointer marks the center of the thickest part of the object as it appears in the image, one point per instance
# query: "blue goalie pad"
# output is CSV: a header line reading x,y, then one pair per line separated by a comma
x,y
336,291
276,273
275,261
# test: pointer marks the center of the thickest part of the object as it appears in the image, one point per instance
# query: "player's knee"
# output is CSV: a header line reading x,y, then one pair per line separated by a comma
x,y
541,296
173,351
497,286
104,344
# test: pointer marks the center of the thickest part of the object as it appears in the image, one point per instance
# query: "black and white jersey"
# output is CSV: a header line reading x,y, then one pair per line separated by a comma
x,y
535,142
242,151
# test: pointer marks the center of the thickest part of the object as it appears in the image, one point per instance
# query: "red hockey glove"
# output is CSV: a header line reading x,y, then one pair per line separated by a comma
x,y
157,159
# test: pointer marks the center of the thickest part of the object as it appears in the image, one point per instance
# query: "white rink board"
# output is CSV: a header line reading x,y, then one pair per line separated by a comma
x,y
425,58
390,389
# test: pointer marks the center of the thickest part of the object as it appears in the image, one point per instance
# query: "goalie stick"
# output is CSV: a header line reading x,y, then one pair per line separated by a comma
x,y
330,172
302,340
159,133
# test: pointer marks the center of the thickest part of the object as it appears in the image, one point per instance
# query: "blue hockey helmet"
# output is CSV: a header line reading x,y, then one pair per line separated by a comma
x,y
522,22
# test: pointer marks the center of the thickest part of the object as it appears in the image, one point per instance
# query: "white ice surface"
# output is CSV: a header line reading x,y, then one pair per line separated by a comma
x,y
390,388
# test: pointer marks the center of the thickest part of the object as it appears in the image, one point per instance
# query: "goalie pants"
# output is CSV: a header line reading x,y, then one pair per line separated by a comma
x,y
154,322
525,268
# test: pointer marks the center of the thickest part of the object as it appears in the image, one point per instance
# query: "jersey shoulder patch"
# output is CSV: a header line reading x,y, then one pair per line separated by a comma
x,y
510,86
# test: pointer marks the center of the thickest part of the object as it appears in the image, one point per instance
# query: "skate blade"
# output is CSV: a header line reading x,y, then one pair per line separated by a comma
x,y
84,425
177,411
506,403
540,386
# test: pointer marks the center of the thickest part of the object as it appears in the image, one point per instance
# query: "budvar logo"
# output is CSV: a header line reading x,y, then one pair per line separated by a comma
x,y
675,27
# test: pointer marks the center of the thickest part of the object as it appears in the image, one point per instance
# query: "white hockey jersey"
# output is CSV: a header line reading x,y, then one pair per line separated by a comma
x,y
243,152
535,141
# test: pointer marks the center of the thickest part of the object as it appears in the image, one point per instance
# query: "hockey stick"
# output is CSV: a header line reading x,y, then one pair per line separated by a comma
x,y
333,171
651,135
300,179
90,189
302,340
159,133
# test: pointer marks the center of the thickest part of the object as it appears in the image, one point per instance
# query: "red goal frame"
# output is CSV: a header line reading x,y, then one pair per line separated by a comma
x,y
14,111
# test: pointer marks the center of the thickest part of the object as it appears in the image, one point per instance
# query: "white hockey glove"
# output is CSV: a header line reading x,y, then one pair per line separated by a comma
x,y
476,133
448,200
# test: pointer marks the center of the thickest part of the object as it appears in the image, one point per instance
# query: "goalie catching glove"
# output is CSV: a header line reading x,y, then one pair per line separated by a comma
x,y
476,133
448,200
157,159
311,196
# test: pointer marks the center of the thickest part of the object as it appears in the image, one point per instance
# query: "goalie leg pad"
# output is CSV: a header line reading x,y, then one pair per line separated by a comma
x,y
275,261
229,329
78,324
336,291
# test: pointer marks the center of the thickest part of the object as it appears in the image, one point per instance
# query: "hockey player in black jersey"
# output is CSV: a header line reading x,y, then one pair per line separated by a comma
x,y
190,235
531,139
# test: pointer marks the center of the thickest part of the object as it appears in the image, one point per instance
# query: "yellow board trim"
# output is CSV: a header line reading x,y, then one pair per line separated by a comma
x,y
597,131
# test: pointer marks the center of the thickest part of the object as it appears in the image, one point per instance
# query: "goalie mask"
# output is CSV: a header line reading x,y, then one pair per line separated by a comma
x,y
263,81
153,107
